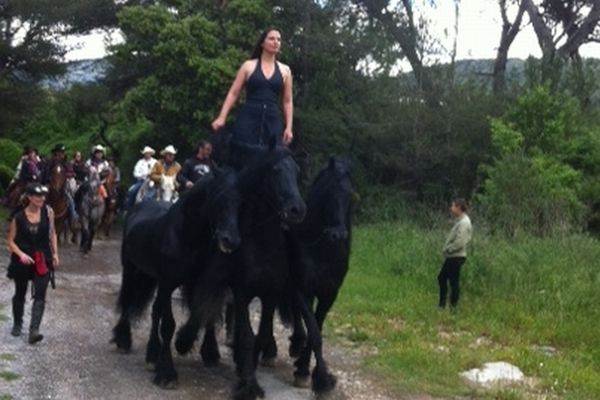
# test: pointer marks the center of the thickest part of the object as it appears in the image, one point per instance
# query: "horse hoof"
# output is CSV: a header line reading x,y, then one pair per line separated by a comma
x,y
268,362
302,382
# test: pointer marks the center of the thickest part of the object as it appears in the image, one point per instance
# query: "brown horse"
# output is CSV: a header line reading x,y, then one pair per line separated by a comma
x,y
112,204
14,195
57,198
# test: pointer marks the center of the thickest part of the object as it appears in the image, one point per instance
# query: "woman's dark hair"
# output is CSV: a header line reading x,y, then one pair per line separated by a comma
x,y
257,52
460,203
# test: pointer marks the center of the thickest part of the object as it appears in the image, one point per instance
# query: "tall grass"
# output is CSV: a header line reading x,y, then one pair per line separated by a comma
x,y
517,294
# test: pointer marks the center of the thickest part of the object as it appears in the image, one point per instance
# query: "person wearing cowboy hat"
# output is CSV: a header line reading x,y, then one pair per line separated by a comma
x,y
58,159
141,172
166,166
33,245
98,161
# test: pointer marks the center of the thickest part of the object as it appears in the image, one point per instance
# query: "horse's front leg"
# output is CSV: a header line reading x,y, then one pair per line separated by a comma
x,y
153,346
210,348
298,337
247,387
265,341
322,380
166,376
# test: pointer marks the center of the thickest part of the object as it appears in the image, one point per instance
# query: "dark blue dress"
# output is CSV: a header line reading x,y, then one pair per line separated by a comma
x,y
259,119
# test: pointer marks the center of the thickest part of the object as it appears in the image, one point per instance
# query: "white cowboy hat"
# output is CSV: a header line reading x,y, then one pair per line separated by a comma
x,y
98,147
168,150
148,149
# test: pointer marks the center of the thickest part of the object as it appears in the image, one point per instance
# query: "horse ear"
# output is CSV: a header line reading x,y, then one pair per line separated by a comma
x,y
331,165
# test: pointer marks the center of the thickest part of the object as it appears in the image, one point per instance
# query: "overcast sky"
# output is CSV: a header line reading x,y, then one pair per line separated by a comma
x,y
478,33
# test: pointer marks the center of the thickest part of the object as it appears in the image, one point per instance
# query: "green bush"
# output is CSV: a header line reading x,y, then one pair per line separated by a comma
x,y
6,175
10,152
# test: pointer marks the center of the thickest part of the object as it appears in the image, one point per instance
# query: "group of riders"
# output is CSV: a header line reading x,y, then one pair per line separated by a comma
x,y
149,173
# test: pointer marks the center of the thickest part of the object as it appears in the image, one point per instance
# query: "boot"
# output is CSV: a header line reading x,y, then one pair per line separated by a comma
x,y
17,309
37,312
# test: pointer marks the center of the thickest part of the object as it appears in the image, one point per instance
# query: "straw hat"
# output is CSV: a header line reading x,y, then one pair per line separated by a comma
x,y
168,150
98,147
148,149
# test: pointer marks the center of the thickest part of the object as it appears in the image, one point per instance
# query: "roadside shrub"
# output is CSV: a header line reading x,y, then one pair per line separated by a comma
x,y
10,152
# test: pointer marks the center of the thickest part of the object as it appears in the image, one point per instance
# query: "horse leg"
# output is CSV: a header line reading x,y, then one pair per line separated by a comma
x,y
210,348
136,291
298,337
122,333
247,387
187,335
322,380
304,306
265,341
166,376
153,346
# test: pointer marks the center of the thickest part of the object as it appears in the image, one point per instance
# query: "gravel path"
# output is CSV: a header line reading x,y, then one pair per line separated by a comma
x,y
76,361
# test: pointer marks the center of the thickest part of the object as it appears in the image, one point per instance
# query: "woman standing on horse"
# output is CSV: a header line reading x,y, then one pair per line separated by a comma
x,y
268,82
33,245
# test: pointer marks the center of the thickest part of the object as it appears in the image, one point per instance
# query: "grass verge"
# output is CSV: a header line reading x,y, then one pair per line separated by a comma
x,y
519,297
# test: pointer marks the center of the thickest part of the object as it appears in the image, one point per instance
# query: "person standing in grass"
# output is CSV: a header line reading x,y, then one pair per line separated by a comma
x,y
455,253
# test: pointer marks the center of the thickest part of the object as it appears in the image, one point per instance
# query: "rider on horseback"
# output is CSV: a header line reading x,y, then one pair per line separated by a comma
x,y
58,160
99,164
28,170
196,167
141,172
167,166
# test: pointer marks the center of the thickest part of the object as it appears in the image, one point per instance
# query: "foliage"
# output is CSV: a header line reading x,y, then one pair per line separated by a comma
x,y
32,50
542,141
10,152
182,58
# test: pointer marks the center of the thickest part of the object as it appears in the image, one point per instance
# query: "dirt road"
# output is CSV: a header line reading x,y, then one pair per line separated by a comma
x,y
76,361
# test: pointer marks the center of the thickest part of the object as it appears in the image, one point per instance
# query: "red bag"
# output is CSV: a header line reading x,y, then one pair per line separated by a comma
x,y
41,268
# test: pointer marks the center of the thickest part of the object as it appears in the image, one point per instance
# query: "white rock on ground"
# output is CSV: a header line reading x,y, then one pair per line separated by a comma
x,y
494,373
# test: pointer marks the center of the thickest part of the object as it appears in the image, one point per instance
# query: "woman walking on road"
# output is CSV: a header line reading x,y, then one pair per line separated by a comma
x,y
33,245
267,82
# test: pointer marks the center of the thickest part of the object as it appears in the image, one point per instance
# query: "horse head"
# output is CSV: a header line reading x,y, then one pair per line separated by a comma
x,y
330,199
272,172
220,196
58,178
168,188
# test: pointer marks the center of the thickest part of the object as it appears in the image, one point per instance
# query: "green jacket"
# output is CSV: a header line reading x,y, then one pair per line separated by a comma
x,y
458,238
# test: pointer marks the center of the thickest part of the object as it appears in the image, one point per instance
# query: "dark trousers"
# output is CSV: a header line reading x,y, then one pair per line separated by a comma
x,y
450,272
40,285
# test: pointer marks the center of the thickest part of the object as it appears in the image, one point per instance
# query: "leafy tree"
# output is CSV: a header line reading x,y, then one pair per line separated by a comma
x,y
30,48
543,156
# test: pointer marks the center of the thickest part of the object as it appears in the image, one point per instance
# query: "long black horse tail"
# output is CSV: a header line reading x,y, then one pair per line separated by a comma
x,y
137,290
285,307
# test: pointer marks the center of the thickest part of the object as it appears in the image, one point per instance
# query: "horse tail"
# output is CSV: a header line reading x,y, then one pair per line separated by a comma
x,y
137,290
285,307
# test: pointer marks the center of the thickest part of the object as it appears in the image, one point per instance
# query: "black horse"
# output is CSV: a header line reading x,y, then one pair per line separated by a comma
x,y
318,252
258,268
164,245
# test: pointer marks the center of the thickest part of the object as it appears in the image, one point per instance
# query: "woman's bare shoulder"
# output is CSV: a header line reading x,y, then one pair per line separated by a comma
x,y
284,68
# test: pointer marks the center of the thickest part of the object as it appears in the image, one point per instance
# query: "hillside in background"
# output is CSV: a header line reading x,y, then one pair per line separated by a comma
x,y
79,72
478,71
